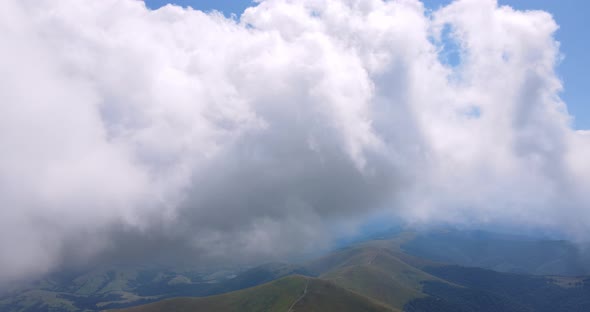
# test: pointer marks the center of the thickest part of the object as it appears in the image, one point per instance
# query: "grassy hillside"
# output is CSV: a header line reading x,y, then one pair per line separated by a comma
x,y
260,275
293,293
377,269
383,277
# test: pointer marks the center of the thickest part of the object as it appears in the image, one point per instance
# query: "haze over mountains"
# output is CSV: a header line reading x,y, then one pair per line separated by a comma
x,y
373,275
502,252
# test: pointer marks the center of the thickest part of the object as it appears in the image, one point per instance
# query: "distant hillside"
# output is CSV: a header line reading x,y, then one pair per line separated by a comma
x,y
480,290
501,252
293,293
124,287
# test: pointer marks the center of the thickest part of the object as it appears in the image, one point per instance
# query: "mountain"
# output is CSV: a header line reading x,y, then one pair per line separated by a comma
x,y
501,252
108,288
375,272
293,293
380,271
398,273
481,290
260,275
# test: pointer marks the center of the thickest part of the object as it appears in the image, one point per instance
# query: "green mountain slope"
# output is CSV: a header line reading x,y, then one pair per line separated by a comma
x,y
381,276
377,269
293,293
259,275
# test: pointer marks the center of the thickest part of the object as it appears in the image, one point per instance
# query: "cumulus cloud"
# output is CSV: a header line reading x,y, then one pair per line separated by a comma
x,y
128,133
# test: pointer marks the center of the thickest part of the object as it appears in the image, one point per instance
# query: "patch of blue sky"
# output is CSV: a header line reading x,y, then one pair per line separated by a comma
x,y
227,7
473,112
449,48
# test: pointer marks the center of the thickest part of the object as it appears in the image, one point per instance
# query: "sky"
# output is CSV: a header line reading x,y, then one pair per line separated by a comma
x,y
570,15
177,135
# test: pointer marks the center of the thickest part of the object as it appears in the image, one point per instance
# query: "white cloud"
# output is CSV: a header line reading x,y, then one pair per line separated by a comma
x,y
179,130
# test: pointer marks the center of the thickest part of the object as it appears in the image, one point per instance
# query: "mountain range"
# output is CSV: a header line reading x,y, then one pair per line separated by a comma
x,y
407,271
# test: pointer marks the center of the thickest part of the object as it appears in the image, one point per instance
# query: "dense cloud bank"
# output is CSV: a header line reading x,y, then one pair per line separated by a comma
x,y
132,133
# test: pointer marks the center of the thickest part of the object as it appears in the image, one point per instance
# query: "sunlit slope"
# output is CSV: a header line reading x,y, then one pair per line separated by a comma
x,y
295,293
375,271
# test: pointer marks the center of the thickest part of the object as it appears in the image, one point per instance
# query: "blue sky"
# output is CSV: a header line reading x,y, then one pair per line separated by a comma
x,y
573,35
